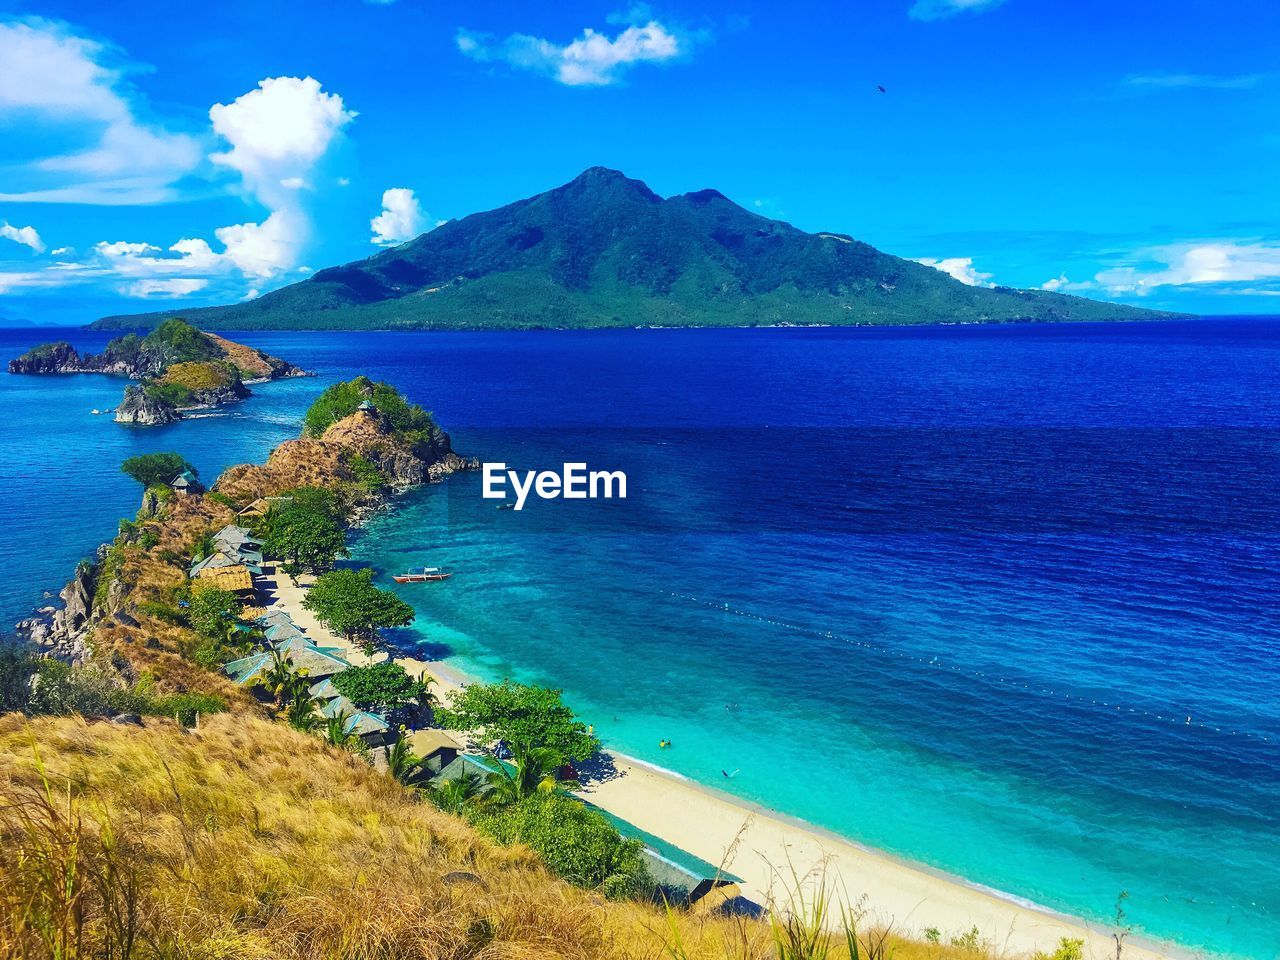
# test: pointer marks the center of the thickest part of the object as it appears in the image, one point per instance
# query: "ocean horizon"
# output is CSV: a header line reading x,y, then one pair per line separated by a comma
x,y
999,600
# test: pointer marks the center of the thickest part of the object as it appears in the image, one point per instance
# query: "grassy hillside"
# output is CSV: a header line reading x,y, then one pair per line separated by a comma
x,y
245,839
605,251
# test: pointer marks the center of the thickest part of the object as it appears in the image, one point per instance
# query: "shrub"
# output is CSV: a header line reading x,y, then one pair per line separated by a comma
x,y
577,843
1068,949
367,475
173,394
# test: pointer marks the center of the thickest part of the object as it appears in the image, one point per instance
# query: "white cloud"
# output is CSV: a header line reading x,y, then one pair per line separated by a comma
x,y
591,60
266,249
56,79
1193,263
278,134
26,236
1175,81
941,9
62,251
959,268
402,217
278,131
177,287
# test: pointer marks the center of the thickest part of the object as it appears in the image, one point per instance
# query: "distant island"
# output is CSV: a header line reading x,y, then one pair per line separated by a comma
x,y
180,369
606,251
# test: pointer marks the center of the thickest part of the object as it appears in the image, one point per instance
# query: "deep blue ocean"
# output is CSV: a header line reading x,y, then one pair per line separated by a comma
x,y
1002,600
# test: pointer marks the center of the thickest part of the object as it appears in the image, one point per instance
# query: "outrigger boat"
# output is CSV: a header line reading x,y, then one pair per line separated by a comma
x,y
425,575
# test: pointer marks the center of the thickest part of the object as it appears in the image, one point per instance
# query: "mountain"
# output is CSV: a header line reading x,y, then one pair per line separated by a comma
x,y
606,251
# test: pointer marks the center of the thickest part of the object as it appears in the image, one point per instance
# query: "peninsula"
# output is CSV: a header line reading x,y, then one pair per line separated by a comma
x,y
606,251
228,739
179,368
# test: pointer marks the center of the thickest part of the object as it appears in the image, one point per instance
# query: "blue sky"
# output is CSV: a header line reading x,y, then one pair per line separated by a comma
x,y
160,155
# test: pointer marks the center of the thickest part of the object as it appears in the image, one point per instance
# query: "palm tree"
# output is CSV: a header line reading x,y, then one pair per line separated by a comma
x,y
303,713
426,699
335,729
534,772
402,763
453,796
279,678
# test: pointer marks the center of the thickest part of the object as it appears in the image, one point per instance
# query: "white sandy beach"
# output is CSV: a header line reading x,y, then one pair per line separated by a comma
x,y
769,846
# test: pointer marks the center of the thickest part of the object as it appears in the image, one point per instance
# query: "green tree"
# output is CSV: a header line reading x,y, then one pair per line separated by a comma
x,y
348,602
379,686
156,469
576,842
522,715
305,539
213,613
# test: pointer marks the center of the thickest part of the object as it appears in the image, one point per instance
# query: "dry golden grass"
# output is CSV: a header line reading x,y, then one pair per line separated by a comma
x,y
246,359
245,839
197,375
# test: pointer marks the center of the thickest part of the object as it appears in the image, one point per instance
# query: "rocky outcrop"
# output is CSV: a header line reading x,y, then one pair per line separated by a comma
x,y
161,359
142,410
63,631
59,357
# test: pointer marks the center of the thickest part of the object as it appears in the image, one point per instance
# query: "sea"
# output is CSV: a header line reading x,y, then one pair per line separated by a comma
x,y
1000,600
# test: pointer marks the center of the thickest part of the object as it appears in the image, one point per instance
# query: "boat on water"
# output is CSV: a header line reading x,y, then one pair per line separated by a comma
x,y
425,575
505,506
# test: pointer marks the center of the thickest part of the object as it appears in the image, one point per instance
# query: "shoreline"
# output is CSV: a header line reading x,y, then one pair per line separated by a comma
x,y
767,846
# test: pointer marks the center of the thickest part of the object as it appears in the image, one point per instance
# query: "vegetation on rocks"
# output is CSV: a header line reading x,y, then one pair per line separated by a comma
x,y
178,366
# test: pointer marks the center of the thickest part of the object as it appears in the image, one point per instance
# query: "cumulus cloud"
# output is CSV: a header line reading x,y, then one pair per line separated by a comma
x,y
594,59
402,217
1193,263
26,236
277,133
959,268
59,80
941,9
1204,81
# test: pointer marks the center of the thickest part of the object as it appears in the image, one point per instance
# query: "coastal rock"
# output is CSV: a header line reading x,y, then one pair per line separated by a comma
x,y
59,357
139,409
451,463
77,602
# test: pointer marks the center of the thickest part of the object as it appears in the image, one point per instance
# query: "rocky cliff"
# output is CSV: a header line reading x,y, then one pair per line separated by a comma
x,y
141,410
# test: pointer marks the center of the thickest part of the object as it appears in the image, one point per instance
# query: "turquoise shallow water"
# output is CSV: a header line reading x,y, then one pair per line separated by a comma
x,y
953,593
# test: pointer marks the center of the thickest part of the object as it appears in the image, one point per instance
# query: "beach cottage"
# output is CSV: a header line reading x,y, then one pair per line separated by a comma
x,y
186,483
